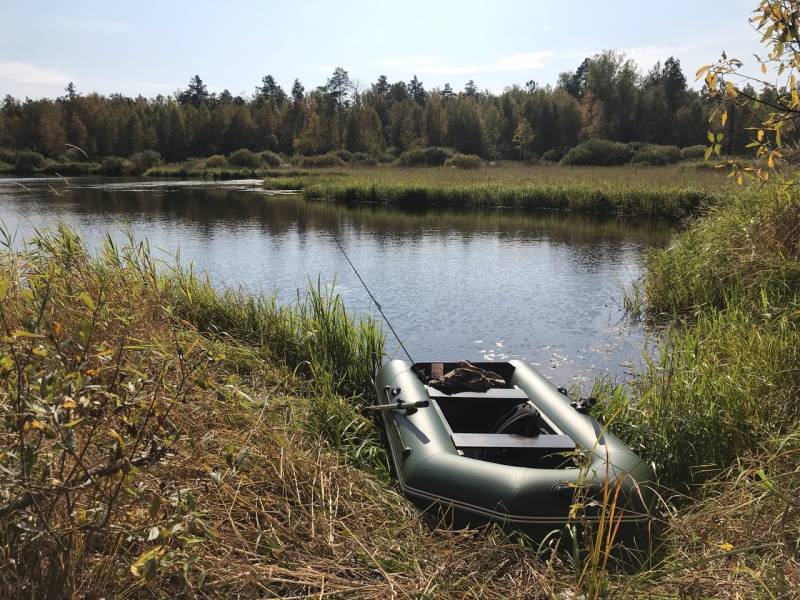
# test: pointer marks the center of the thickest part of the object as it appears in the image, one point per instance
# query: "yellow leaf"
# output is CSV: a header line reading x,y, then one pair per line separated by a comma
x,y
725,546
760,135
34,424
730,90
724,118
701,70
57,328
117,437
770,162
68,403
764,68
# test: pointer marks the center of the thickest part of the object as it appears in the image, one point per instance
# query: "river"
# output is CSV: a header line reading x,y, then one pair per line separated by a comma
x,y
473,284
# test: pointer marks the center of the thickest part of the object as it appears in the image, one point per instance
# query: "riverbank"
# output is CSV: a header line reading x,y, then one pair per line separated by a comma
x,y
669,191
163,434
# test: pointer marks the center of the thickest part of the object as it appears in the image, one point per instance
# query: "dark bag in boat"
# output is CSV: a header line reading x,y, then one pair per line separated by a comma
x,y
523,419
466,377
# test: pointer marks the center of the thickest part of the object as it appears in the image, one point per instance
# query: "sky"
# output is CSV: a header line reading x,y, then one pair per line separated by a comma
x,y
152,48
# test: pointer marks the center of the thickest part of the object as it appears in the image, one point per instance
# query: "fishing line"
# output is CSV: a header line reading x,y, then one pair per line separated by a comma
x,y
377,304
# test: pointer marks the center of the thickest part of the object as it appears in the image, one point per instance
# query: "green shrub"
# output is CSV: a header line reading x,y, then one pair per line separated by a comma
x,y
244,158
8,156
269,158
330,159
463,161
432,156
116,165
552,155
598,152
385,158
655,155
6,168
362,159
216,161
71,168
345,155
144,160
28,162
636,146
693,152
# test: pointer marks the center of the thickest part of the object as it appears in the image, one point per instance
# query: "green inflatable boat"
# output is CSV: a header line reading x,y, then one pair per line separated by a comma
x,y
519,454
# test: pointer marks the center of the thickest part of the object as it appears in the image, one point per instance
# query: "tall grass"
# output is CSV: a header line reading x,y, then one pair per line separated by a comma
x,y
160,437
746,250
316,336
622,190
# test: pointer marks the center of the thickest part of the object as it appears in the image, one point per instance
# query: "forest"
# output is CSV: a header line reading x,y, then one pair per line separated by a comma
x,y
604,97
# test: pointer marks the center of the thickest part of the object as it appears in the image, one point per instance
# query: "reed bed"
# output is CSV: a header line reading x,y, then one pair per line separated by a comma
x,y
670,192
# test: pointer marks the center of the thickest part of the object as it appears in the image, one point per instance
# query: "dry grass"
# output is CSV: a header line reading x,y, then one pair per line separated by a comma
x,y
142,457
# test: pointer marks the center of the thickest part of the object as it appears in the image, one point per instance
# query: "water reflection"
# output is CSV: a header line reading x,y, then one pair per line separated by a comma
x,y
456,284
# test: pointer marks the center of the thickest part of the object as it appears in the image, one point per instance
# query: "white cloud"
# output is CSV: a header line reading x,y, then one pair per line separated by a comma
x,y
27,73
435,65
647,56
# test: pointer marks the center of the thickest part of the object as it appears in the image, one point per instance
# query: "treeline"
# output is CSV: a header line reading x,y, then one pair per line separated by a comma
x,y
605,97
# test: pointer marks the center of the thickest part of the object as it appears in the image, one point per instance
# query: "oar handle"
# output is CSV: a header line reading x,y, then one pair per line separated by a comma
x,y
400,405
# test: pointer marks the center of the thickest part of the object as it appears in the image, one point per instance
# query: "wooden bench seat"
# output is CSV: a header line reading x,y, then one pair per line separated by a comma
x,y
551,443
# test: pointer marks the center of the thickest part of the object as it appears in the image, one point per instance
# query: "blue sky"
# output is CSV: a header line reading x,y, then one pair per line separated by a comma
x,y
154,47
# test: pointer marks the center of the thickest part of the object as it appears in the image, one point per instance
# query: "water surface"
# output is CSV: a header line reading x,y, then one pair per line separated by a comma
x,y
474,284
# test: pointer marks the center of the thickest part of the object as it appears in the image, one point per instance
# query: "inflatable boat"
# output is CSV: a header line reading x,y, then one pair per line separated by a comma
x,y
519,453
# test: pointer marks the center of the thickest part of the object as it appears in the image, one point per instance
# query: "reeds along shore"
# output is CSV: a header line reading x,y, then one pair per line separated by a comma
x,y
162,437
664,192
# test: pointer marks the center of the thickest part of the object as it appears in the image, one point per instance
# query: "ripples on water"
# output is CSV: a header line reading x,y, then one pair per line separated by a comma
x,y
489,284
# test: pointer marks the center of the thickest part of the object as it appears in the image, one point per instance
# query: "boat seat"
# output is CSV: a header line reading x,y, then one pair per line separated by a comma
x,y
551,443
490,394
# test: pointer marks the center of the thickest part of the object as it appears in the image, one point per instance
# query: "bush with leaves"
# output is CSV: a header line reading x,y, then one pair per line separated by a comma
x,y
144,160
215,161
463,161
270,159
8,156
598,152
331,159
655,155
116,165
28,162
432,156
244,158
696,152
552,155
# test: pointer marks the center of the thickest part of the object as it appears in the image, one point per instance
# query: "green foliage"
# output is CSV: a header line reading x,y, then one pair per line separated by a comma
x,y
244,158
8,156
322,160
144,160
552,155
27,161
115,165
425,157
670,192
745,247
696,152
216,161
463,161
724,386
654,155
270,159
71,168
598,152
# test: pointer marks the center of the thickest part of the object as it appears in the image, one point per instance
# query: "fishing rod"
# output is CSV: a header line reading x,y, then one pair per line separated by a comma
x,y
377,304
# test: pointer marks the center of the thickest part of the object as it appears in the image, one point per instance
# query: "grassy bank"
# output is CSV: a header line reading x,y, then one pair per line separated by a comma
x,y
163,438
672,191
